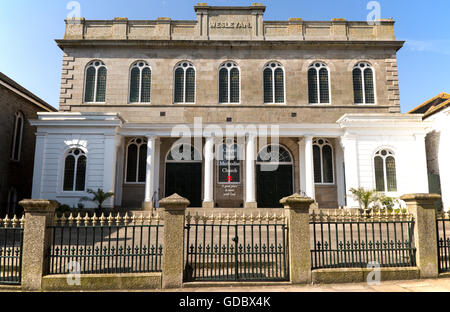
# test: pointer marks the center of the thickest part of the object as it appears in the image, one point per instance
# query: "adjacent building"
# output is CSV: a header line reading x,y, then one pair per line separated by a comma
x,y
436,111
308,106
17,138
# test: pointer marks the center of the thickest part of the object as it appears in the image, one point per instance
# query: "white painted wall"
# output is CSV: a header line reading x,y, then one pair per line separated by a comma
x,y
365,135
441,125
56,138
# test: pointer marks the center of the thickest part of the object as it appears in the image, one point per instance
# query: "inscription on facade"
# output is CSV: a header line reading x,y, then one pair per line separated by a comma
x,y
230,25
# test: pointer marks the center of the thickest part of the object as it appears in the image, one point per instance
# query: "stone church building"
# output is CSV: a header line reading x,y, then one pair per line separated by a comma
x,y
263,109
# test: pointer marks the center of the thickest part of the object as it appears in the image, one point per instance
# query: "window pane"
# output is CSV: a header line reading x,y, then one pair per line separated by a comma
x,y
90,84
312,86
69,170
132,163
327,158
18,137
357,86
81,174
317,167
391,174
379,174
101,84
268,86
146,85
234,87
190,85
142,162
369,89
134,85
179,85
324,92
279,86
223,85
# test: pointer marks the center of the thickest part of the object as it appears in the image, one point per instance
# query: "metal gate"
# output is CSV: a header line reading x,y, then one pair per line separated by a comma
x,y
244,248
11,242
443,241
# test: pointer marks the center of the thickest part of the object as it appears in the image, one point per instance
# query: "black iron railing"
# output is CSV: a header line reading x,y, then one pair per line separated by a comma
x,y
113,244
11,242
244,248
356,240
443,240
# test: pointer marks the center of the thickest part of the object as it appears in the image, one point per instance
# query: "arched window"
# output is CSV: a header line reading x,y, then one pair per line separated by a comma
x,y
184,83
229,83
184,153
363,84
318,84
273,76
75,170
17,136
323,161
385,172
95,88
274,154
136,161
140,82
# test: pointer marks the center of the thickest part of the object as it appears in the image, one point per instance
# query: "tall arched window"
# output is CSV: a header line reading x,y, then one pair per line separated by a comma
x,y
184,83
385,172
136,161
229,83
363,84
140,82
75,170
318,84
95,85
17,136
323,161
273,75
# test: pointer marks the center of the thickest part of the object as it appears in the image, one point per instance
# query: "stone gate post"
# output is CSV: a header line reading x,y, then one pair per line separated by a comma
x,y
173,250
421,206
297,208
37,238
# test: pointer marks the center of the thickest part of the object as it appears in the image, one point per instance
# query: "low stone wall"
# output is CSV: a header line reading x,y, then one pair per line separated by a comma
x,y
133,281
359,275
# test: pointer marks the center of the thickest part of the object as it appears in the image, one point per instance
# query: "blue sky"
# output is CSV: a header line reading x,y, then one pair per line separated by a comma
x,y
29,55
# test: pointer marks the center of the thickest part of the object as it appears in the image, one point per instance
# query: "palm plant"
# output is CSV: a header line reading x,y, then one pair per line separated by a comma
x,y
364,197
99,197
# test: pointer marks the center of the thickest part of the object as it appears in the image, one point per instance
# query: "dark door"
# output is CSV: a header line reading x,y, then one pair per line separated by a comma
x,y
273,186
185,179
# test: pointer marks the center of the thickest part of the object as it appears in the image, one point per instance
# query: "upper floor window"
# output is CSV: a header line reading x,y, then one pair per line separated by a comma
x,y
140,82
385,172
323,162
184,83
95,89
229,83
318,84
17,136
75,170
363,84
273,75
136,161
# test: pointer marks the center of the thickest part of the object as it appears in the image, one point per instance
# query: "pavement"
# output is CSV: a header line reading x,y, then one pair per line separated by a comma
x,y
424,285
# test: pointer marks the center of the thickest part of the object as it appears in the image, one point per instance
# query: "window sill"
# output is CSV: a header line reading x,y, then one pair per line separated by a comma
x,y
72,194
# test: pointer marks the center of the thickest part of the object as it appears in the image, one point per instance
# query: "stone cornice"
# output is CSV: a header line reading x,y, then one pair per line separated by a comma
x,y
273,44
